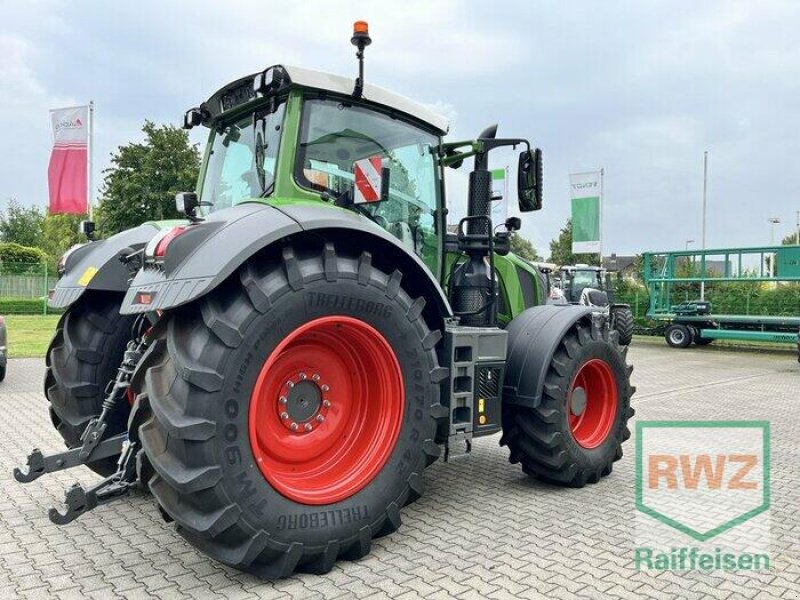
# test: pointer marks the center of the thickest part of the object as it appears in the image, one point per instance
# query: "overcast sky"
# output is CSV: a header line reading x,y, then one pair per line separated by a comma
x,y
638,88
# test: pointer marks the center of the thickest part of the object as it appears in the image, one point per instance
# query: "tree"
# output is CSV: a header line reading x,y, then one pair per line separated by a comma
x,y
790,240
59,233
561,249
21,225
523,248
144,177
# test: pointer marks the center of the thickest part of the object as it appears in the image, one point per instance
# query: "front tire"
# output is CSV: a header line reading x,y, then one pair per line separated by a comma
x,y
233,374
575,434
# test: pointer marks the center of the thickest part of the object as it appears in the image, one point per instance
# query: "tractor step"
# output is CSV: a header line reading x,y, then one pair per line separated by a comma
x,y
473,390
460,441
39,464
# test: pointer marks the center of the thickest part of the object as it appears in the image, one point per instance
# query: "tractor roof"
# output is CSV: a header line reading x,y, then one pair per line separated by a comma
x,y
240,92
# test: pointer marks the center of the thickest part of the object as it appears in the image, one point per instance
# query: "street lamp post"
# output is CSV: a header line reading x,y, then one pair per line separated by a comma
x,y
798,227
686,247
772,221
705,203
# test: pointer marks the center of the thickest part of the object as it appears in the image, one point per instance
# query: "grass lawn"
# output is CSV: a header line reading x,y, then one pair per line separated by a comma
x,y
29,335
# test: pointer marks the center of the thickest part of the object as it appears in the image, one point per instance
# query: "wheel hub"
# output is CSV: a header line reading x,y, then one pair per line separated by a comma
x,y
302,403
578,401
592,403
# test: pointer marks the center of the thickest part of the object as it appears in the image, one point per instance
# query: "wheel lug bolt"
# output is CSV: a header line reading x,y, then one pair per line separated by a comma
x,y
282,400
325,388
315,377
290,384
293,426
320,418
284,415
302,375
326,403
308,427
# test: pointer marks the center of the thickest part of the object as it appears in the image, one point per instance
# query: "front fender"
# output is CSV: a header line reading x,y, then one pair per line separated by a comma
x,y
533,338
95,266
210,252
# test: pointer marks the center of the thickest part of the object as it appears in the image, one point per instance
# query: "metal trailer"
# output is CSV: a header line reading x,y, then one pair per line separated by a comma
x,y
670,275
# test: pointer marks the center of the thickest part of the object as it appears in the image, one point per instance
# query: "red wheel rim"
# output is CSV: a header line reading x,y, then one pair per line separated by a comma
x,y
592,403
326,410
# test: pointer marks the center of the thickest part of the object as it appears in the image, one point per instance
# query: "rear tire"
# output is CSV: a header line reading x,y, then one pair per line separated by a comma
x,y
2,372
623,324
549,440
83,357
678,336
214,422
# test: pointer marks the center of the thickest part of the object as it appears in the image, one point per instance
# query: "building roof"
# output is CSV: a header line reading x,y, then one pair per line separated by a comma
x,y
618,262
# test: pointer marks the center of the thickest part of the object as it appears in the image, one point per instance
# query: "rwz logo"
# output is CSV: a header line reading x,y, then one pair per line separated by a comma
x,y
691,471
702,478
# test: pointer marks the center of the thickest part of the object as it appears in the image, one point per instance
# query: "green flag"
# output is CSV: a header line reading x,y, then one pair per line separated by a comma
x,y
585,195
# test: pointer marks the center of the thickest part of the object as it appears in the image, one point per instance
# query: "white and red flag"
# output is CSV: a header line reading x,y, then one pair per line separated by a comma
x,y
368,176
67,175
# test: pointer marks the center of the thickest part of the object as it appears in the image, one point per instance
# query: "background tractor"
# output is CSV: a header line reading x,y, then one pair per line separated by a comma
x,y
585,285
279,369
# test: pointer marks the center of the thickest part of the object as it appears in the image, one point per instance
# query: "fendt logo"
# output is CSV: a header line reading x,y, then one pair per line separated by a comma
x,y
702,479
585,185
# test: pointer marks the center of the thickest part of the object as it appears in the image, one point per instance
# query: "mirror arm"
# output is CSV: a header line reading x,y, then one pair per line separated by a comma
x,y
492,143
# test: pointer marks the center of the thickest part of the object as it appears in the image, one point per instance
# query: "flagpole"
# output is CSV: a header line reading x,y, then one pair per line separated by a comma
x,y
90,173
602,201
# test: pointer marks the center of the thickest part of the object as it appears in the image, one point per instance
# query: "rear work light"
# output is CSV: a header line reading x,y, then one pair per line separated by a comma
x,y
157,248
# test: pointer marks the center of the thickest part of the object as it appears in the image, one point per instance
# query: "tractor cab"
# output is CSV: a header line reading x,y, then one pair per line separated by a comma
x,y
288,136
584,284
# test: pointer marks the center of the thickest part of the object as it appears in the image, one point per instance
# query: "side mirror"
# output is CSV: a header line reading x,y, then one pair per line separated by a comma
x,y
529,180
87,228
186,203
371,180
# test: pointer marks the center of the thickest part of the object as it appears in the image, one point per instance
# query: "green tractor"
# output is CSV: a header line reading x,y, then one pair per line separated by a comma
x,y
279,369
586,285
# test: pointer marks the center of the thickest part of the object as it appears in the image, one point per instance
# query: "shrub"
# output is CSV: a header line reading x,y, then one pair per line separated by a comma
x,y
28,306
15,258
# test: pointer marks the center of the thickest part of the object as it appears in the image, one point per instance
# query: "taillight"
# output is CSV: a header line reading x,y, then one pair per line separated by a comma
x,y
166,240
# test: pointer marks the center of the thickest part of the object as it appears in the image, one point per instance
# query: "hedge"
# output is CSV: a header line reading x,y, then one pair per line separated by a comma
x,y
32,306
12,254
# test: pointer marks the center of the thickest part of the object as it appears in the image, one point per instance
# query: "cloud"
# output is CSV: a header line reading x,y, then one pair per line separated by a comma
x,y
641,89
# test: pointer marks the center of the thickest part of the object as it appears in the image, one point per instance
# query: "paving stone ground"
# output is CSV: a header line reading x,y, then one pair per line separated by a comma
x,y
483,529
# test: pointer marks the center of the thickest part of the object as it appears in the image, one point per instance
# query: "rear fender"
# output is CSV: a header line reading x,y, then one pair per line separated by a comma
x,y
96,266
199,260
533,338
